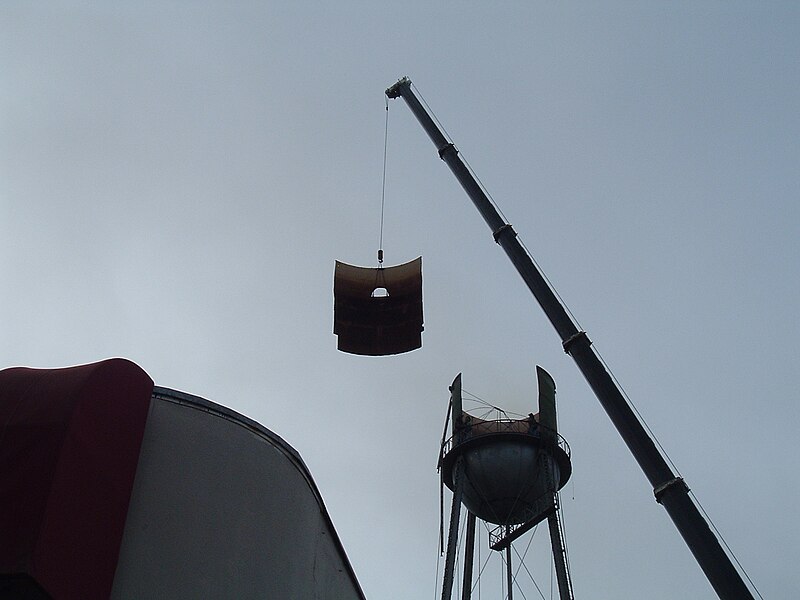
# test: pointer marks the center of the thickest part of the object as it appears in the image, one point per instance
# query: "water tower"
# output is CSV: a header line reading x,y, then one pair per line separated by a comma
x,y
507,473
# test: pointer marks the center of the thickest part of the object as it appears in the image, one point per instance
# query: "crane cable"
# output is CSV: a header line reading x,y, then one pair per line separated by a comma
x,y
383,186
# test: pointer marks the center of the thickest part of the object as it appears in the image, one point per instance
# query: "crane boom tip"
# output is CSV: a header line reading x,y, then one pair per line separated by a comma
x,y
394,90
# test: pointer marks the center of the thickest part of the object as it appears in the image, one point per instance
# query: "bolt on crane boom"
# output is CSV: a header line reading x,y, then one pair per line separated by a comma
x,y
669,489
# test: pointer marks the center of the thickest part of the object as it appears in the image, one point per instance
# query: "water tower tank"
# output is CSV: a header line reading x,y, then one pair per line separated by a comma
x,y
507,465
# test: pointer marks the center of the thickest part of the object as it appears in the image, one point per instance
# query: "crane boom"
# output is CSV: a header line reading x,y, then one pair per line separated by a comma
x,y
669,489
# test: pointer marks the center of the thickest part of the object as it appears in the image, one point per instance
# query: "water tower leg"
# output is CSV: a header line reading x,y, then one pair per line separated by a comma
x,y
469,555
559,555
452,533
509,573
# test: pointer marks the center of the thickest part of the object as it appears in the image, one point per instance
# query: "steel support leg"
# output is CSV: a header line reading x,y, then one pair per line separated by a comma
x,y
469,556
509,574
559,556
452,534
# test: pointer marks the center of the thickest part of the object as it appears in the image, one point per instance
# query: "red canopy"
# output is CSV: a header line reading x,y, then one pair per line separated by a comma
x,y
69,447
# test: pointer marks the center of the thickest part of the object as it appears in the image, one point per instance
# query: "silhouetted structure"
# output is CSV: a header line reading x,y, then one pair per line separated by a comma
x,y
113,488
506,472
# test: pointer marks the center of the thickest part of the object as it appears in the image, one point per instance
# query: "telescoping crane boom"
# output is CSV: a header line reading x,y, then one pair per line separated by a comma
x,y
670,490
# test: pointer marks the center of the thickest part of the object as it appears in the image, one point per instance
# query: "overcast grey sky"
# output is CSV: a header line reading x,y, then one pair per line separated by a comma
x,y
177,179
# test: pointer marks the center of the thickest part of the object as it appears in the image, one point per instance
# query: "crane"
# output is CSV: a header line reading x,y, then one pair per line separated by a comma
x,y
669,489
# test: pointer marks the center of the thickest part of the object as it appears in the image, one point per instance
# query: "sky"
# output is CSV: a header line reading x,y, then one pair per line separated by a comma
x,y
177,180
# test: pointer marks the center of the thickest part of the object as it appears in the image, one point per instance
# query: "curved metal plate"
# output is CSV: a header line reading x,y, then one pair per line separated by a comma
x,y
378,325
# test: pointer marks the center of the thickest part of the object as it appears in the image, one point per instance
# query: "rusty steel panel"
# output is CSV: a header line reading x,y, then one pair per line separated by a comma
x,y
382,323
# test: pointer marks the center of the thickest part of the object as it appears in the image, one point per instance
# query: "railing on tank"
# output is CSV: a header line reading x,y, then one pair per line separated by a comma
x,y
480,428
